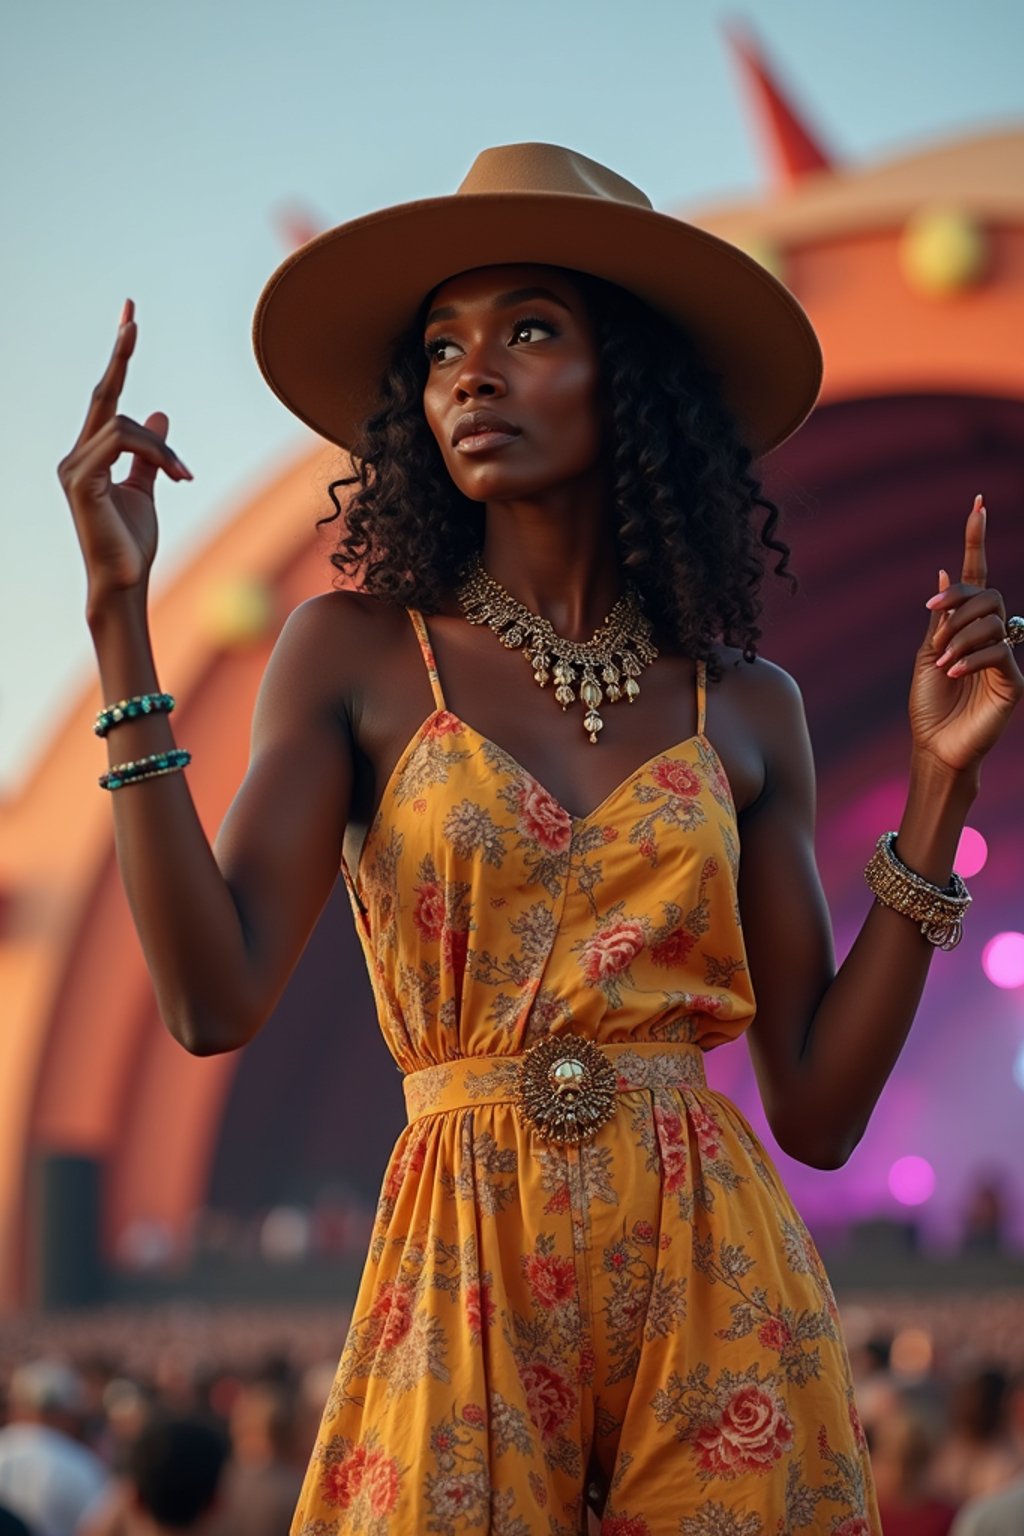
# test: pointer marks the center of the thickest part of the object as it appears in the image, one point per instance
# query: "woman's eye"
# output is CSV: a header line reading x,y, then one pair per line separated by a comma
x,y
437,350
531,330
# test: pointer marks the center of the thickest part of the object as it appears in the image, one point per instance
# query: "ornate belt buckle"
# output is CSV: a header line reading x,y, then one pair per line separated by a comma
x,y
566,1088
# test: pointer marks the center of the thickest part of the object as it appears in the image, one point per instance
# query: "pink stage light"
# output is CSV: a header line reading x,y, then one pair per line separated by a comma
x,y
1002,960
971,853
912,1180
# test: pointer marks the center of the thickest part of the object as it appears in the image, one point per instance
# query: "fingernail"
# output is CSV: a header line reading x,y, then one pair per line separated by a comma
x,y
933,602
941,661
956,669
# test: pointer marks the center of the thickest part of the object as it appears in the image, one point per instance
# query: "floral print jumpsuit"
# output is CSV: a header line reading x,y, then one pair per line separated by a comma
x,y
641,1316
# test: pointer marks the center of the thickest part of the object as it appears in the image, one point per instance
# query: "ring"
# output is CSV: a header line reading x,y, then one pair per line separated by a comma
x,y
1014,631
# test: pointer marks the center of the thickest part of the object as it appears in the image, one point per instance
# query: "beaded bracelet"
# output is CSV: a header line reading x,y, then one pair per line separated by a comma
x,y
150,767
938,909
131,709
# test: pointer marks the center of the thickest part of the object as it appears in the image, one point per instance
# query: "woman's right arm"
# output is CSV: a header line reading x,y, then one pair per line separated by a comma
x,y
221,935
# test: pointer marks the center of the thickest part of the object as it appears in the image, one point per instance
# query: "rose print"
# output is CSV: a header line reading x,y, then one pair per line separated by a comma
x,y
676,777
392,1312
405,1167
549,1397
551,1278
543,819
672,1145
708,1133
751,1432
774,1334
444,723
428,913
362,1471
673,950
342,1481
380,1480
479,1309
610,951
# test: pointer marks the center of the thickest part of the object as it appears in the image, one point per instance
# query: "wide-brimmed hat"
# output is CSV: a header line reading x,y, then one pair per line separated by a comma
x,y
328,319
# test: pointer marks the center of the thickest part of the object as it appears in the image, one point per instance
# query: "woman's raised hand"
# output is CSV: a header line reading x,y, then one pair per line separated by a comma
x,y
966,678
116,523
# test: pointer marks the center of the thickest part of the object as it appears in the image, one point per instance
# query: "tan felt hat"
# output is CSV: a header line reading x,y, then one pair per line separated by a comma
x,y
328,319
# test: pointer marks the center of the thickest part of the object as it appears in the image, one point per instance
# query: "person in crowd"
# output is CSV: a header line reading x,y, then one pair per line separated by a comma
x,y
978,1454
262,1481
993,1514
175,1471
904,1440
47,1476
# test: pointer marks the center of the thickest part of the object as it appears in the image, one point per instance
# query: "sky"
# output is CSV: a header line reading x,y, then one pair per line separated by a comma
x,y
149,151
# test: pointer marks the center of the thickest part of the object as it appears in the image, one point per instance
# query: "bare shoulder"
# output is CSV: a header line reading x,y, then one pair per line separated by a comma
x,y
760,689
330,650
344,616
756,722
338,640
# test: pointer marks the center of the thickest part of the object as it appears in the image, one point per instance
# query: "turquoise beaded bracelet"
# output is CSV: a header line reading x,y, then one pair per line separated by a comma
x,y
131,709
145,768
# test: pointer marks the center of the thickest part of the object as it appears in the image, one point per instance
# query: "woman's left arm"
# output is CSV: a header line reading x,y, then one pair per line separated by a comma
x,y
824,1041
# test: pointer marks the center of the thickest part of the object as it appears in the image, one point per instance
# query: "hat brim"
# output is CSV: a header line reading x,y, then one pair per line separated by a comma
x,y
328,319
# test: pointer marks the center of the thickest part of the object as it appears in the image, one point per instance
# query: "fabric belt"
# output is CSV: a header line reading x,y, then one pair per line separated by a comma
x,y
565,1086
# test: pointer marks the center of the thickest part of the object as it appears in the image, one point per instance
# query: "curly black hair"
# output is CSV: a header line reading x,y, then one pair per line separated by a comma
x,y
683,489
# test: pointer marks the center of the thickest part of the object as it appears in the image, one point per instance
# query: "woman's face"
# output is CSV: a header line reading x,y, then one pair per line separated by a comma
x,y
512,389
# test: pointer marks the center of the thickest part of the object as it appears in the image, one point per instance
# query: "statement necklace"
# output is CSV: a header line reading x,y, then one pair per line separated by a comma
x,y
625,634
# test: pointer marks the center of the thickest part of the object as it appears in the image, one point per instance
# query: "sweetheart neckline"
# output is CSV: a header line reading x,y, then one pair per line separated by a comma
x,y
577,821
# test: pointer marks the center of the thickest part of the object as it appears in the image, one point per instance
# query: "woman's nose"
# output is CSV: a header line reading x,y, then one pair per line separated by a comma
x,y
478,379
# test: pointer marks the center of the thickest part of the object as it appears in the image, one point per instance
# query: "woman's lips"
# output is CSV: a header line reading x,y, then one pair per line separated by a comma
x,y
485,442
481,431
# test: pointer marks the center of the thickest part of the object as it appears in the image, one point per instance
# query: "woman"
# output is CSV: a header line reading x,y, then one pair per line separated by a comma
x,y
586,1283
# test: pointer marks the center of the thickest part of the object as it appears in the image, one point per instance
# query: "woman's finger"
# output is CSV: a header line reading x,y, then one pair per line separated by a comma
x,y
974,605
998,655
975,569
142,474
122,435
988,629
954,596
105,396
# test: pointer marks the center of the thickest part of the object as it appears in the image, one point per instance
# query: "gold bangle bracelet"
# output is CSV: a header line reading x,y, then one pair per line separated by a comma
x,y
939,910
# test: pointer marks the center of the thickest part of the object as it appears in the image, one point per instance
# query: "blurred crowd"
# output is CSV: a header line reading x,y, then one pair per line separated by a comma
x,y
188,1419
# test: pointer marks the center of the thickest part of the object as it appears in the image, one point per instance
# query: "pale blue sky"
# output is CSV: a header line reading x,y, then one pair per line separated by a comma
x,y
144,148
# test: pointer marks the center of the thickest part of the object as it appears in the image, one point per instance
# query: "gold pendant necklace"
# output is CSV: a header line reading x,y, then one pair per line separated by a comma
x,y
625,634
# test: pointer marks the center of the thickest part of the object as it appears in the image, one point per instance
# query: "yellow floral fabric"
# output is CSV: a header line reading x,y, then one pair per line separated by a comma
x,y
643,1315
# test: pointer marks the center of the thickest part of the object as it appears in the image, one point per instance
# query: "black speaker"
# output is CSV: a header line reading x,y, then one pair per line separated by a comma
x,y
67,1268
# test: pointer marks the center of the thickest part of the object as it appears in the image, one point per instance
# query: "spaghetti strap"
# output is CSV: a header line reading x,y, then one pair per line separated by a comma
x,y
428,655
701,696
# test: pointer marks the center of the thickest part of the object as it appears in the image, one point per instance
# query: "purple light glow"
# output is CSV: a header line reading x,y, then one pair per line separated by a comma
x,y
1002,960
912,1180
971,853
